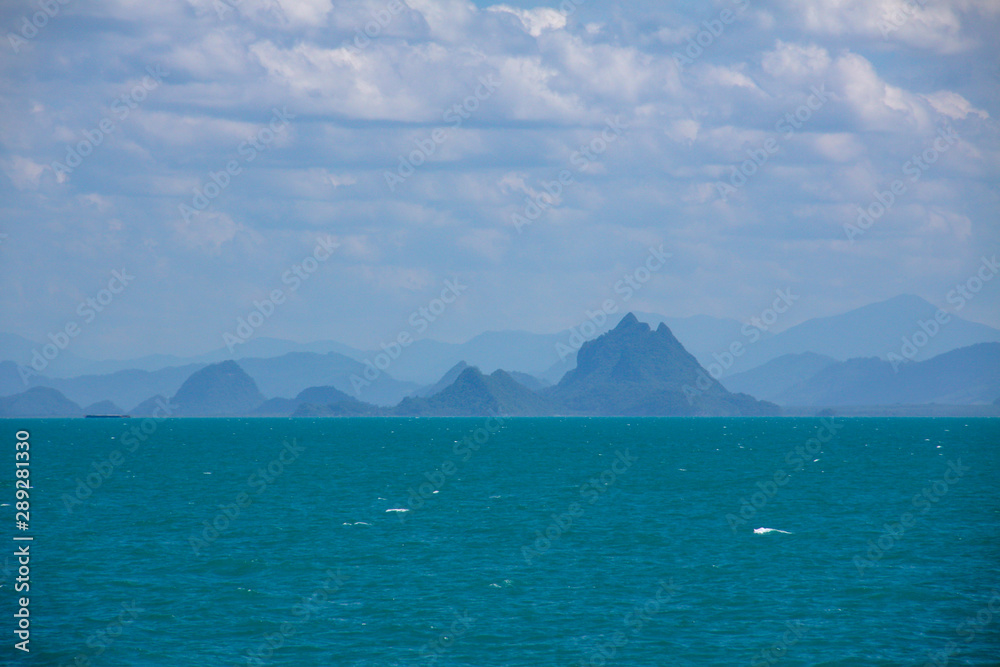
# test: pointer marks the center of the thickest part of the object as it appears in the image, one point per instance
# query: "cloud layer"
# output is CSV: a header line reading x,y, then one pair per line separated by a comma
x,y
143,135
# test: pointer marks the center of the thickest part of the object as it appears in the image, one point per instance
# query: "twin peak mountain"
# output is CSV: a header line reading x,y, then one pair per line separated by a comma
x,y
631,370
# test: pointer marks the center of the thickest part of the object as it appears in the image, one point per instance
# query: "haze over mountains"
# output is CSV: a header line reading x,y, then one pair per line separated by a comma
x,y
631,370
967,376
815,363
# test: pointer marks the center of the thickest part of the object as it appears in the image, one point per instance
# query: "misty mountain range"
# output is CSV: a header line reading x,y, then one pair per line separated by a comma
x,y
859,358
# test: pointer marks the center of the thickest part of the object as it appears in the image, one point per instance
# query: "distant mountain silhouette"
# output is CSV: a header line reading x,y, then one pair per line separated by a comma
x,y
446,380
777,376
22,351
634,371
631,369
10,379
473,394
126,387
290,373
275,376
39,402
284,368
154,406
315,402
218,390
874,330
967,376
530,381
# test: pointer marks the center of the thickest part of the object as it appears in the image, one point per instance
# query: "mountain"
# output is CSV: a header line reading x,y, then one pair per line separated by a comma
x,y
967,376
103,408
126,387
778,375
533,383
872,330
315,402
261,347
284,375
39,402
290,373
218,390
473,394
446,380
425,361
10,379
154,406
22,351
554,373
701,335
875,330
549,356
635,371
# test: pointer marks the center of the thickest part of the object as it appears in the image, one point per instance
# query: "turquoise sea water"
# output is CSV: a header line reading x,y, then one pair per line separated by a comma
x,y
547,542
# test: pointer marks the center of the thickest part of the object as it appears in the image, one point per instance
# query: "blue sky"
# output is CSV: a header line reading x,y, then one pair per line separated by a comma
x,y
224,141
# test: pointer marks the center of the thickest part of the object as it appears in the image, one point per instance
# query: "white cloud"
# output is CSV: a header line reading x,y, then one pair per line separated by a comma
x,y
796,62
953,105
311,13
935,26
839,146
24,173
448,20
341,180
359,109
209,231
535,21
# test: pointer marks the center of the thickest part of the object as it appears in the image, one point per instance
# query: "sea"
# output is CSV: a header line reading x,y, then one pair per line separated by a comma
x,y
504,541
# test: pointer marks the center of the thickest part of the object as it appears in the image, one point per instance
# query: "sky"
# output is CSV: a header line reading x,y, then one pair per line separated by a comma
x,y
167,168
